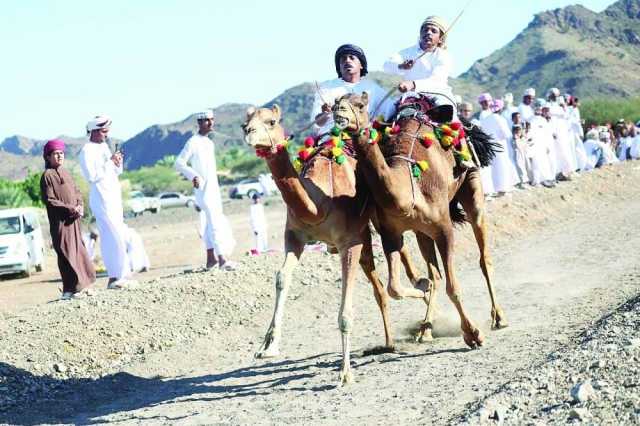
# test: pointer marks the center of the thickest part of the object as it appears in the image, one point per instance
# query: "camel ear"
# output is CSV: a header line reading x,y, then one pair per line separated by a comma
x,y
365,98
250,111
276,111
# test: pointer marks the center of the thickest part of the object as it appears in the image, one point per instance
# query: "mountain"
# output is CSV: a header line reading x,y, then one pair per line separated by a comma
x,y
575,49
586,53
20,155
158,141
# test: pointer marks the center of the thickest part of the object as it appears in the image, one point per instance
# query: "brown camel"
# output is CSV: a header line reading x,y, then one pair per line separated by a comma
x,y
325,202
421,202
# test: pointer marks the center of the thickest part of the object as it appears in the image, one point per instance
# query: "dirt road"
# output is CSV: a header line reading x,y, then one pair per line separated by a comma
x,y
563,259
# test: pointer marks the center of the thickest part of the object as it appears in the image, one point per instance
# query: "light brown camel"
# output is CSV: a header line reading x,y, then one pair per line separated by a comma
x,y
421,204
325,202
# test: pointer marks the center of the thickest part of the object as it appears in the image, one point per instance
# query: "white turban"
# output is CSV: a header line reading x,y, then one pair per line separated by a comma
x,y
485,97
508,98
593,134
553,91
98,122
203,115
530,92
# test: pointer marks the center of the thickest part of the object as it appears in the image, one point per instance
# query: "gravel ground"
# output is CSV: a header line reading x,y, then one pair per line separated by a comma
x,y
179,348
595,379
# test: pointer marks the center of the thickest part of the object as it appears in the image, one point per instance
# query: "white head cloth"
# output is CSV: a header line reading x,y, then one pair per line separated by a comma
x,y
508,98
203,115
553,91
530,92
98,122
593,134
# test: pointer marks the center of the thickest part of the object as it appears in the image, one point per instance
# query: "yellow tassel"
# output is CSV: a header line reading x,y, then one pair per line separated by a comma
x,y
424,165
297,165
447,141
336,151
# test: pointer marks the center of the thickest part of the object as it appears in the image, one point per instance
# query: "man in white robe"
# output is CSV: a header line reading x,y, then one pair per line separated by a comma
x,y
526,107
539,143
351,67
565,150
258,224
426,66
509,108
197,162
594,150
577,132
502,168
485,100
101,169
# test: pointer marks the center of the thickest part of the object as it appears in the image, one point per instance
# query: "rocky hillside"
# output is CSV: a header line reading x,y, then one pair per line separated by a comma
x,y
586,53
19,154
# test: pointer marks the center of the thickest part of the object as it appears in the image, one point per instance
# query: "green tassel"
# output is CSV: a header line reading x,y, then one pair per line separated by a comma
x,y
416,171
341,159
335,131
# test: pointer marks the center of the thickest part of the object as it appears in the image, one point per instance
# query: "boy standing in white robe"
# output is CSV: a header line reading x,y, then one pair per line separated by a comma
x,y
197,162
258,224
101,169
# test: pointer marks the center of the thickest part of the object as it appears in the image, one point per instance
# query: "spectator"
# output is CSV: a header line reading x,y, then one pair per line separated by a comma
x,y
101,169
258,224
65,209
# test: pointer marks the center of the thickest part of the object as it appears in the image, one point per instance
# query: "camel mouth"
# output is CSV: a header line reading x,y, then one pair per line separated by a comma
x,y
341,122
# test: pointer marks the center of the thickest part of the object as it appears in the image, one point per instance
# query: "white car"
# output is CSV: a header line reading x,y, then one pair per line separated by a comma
x,y
21,242
262,185
137,203
176,199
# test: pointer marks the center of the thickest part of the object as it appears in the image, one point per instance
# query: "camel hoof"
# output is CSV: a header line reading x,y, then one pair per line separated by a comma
x,y
473,339
346,378
425,334
498,320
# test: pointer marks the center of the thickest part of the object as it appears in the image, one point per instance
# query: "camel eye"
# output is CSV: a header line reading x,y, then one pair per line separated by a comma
x,y
272,122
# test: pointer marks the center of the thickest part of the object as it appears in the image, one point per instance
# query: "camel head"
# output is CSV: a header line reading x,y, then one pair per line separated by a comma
x,y
262,129
350,111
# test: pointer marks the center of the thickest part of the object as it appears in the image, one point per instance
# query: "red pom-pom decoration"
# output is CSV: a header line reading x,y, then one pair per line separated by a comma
x,y
395,129
376,125
304,155
309,142
461,133
456,126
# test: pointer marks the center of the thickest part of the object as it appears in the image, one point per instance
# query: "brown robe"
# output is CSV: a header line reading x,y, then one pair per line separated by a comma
x,y
61,196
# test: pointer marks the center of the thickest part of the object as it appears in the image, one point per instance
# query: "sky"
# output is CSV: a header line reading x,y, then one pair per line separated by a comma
x,y
147,62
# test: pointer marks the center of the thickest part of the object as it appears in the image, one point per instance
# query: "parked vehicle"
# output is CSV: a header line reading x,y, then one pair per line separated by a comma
x,y
137,203
262,185
21,242
176,199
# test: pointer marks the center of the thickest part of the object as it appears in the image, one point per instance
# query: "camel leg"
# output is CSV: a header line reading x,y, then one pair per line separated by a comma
x,y
472,199
382,298
392,245
471,334
428,250
350,258
293,250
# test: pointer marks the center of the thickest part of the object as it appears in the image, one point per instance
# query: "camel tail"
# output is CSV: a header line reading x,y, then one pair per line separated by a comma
x,y
482,143
456,213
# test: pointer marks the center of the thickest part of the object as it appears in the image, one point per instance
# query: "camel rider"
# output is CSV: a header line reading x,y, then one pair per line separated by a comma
x,y
425,68
351,67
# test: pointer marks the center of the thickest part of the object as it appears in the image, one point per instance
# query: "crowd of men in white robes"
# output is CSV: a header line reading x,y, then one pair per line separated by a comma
x,y
542,140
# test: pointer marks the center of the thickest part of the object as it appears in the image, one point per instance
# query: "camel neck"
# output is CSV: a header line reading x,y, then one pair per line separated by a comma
x,y
293,192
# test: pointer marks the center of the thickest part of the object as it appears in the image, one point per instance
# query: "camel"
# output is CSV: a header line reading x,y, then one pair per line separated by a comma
x,y
325,202
414,188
